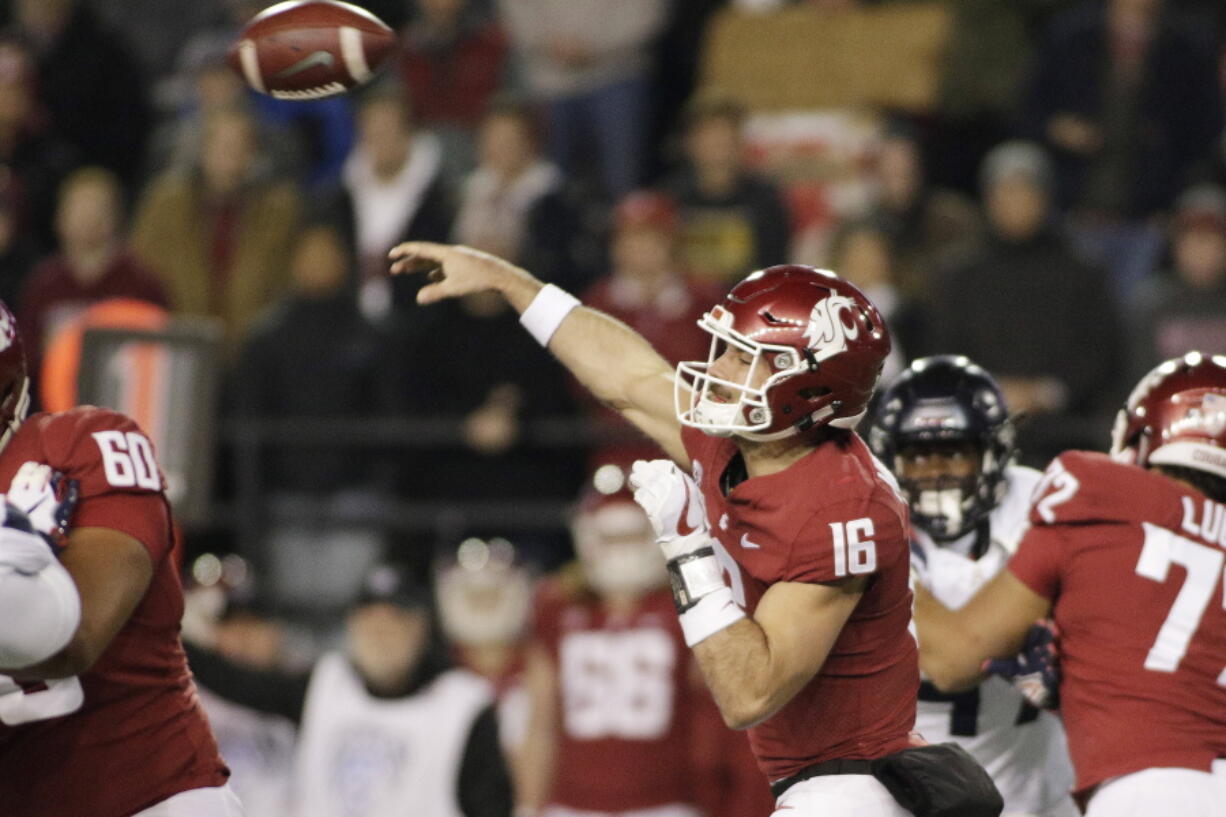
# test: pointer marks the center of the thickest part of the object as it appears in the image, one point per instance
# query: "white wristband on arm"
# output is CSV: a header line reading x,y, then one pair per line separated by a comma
x,y
704,603
710,614
546,312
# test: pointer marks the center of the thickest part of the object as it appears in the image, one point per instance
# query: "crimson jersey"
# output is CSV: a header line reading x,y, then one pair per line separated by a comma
x,y
834,513
624,698
1133,564
130,732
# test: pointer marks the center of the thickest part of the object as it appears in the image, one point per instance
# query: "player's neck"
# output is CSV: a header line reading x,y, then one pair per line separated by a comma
x,y
490,660
620,604
766,458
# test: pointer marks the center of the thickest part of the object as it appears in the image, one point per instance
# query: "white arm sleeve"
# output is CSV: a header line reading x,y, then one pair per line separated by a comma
x,y
39,614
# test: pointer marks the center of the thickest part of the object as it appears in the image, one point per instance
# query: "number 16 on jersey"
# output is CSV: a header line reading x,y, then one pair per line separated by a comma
x,y
855,552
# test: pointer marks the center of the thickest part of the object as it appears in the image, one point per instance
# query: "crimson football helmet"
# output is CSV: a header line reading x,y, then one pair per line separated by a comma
x,y
1176,416
820,341
14,381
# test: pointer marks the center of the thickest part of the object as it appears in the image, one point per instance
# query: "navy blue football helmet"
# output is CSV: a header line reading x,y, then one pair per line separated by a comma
x,y
946,401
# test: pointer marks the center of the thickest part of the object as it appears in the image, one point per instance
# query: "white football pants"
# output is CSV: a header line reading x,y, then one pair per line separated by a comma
x,y
211,802
1183,792
839,795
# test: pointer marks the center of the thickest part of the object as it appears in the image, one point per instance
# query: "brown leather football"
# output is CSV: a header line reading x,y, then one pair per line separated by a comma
x,y
311,49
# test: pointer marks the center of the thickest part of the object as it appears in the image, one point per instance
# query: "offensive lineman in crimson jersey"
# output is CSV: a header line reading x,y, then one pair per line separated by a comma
x,y
809,527
1127,552
109,725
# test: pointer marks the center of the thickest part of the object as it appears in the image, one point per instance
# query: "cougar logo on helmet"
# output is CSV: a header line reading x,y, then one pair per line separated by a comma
x,y
828,333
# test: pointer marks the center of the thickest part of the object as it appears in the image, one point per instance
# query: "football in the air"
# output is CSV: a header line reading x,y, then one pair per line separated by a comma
x,y
311,49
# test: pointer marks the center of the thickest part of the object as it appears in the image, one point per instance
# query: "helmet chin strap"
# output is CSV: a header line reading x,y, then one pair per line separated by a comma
x,y
795,428
765,437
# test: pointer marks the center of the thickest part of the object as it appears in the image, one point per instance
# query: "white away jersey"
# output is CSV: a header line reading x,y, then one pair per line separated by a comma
x,y
1022,748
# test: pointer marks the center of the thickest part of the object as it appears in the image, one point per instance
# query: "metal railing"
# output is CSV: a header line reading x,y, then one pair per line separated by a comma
x,y
250,438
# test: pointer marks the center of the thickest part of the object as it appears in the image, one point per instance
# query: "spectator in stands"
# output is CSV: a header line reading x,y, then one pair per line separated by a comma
x,y
1183,310
224,612
308,139
590,67
452,64
89,84
156,31
1128,101
498,389
513,204
17,254
646,289
218,235
863,252
930,227
484,598
1026,306
391,190
33,158
313,355
207,84
733,220
493,392
93,263
386,722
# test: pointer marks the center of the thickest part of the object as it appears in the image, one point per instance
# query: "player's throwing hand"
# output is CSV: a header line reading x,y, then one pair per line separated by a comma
x,y
453,271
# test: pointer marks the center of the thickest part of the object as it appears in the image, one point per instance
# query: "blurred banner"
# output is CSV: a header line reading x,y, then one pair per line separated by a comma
x,y
804,58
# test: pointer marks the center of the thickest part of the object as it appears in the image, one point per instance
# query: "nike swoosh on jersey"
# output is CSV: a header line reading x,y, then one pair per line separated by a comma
x,y
311,60
748,545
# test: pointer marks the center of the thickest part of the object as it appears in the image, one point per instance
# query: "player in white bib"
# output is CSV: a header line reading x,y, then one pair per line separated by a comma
x,y
943,428
386,727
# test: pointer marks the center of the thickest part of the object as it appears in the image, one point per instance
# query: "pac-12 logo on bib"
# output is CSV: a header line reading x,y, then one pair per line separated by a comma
x,y
828,332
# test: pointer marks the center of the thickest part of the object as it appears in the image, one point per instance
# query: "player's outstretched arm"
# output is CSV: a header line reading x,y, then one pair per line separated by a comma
x,y
112,571
954,644
615,363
